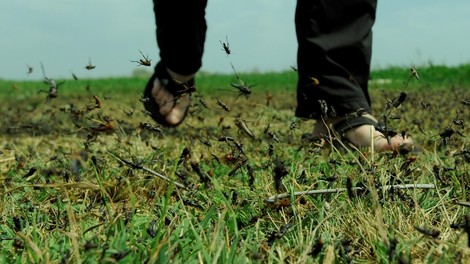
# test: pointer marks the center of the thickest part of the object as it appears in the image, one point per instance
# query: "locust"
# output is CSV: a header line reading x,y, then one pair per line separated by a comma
x,y
128,112
446,134
202,175
149,127
428,232
242,126
397,101
315,82
151,229
205,142
105,126
242,87
74,76
226,46
53,89
359,112
90,66
269,97
279,234
458,121
239,165
184,155
316,248
188,89
223,105
53,86
144,99
413,74
279,172
145,61
30,69
202,102
270,133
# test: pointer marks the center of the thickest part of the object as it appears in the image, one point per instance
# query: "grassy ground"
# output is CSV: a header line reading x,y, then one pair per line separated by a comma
x,y
81,176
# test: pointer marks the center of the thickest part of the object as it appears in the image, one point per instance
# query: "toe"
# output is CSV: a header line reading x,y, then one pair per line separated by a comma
x,y
366,135
163,98
178,112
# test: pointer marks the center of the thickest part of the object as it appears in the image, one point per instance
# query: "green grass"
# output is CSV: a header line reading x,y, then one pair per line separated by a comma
x,y
67,198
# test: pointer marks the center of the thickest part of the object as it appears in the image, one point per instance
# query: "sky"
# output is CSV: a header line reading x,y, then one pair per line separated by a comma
x,y
65,34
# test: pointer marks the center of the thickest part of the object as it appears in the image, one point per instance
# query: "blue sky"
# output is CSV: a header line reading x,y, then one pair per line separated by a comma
x,y
65,34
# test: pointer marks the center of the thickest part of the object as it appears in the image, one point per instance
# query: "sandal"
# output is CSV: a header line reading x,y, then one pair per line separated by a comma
x,y
349,123
171,86
343,126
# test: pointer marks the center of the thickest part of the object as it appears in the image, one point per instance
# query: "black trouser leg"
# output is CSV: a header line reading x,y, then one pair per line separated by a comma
x,y
181,32
334,54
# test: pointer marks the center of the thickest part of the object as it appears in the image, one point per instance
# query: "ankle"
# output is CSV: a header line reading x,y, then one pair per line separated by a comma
x,y
179,77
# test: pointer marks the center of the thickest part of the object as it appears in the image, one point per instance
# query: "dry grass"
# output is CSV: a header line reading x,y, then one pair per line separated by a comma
x,y
66,198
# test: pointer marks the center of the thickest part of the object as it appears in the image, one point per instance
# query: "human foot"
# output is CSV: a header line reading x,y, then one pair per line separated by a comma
x,y
165,91
362,132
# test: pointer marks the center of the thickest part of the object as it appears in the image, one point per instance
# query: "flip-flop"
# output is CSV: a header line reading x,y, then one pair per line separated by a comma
x,y
350,123
171,86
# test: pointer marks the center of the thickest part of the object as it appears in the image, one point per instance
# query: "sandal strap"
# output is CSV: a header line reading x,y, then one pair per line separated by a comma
x,y
175,88
169,83
349,123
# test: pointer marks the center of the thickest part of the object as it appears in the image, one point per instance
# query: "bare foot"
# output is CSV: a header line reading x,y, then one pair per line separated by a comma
x,y
173,109
366,135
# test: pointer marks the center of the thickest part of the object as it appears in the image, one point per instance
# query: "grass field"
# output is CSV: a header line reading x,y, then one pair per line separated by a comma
x,y
88,177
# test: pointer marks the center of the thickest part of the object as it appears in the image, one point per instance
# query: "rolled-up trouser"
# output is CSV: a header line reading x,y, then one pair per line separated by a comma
x,y
334,53
181,32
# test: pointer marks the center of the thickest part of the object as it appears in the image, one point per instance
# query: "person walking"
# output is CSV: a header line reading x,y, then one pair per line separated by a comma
x,y
334,53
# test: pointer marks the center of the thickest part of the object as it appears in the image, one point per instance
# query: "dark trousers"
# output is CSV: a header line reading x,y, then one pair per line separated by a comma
x,y
334,52
181,32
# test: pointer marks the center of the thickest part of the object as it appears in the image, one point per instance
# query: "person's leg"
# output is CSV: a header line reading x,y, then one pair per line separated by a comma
x,y
181,31
334,54
334,39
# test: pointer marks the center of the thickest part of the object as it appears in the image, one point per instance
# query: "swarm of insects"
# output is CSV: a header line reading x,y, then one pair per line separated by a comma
x,y
145,61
